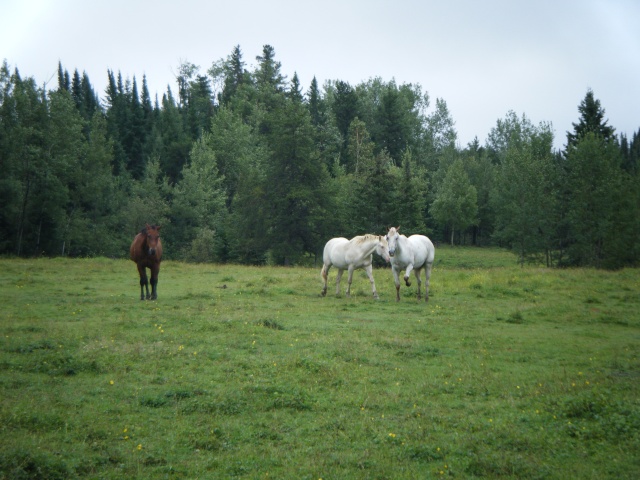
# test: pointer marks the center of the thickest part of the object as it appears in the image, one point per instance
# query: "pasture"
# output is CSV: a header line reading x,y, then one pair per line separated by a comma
x,y
247,372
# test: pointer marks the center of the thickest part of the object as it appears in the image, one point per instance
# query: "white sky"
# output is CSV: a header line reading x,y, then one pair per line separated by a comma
x,y
483,57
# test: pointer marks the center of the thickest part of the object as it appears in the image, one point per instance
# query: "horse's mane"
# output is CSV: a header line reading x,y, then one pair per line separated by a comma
x,y
144,229
366,237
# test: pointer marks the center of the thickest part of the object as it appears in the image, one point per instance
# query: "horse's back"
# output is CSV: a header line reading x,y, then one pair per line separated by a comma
x,y
332,250
423,249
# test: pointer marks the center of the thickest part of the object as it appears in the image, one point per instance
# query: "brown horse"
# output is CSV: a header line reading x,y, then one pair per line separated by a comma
x,y
146,251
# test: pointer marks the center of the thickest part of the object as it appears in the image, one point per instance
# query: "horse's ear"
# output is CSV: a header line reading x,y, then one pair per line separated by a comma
x,y
397,228
158,227
146,225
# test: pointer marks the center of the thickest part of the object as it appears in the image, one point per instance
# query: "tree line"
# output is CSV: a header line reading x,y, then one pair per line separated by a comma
x,y
243,166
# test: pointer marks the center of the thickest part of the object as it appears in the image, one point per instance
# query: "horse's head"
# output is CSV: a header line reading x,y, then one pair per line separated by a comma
x,y
153,236
392,238
382,248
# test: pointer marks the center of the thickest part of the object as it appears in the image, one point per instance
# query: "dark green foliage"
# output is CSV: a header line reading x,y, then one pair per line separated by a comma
x,y
280,170
296,184
456,203
525,192
601,210
591,121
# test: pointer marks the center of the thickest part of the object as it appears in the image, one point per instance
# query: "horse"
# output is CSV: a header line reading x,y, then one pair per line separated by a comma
x,y
351,255
146,251
413,253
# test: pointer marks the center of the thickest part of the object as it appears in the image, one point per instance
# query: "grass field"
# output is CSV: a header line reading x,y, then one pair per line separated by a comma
x,y
246,372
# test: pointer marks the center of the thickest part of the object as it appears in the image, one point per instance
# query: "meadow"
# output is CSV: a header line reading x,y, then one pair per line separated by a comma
x,y
247,372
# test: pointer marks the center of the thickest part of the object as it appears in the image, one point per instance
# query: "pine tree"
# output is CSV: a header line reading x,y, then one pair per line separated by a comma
x,y
296,184
593,201
314,101
393,130
234,75
591,121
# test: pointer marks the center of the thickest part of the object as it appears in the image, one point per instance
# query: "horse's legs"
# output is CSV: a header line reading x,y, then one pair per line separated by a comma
x,y
349,280
369,270
338,277
325,276
396,279
154,282
407,272
417,273
426,284
144,281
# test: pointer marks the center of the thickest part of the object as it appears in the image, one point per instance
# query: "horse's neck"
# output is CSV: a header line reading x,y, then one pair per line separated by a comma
x,y
403,244
370,246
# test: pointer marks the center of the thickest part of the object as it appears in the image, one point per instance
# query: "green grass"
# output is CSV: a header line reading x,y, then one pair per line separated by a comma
x,y
246,372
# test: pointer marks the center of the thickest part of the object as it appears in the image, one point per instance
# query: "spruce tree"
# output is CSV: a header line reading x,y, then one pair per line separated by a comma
x,y
591,121
296,183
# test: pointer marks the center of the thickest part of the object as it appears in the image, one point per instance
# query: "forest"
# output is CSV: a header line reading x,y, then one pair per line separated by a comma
x,y
247,167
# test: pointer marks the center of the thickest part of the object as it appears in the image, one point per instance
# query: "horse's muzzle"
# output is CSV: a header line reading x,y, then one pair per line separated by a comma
x,y
152,251
392,253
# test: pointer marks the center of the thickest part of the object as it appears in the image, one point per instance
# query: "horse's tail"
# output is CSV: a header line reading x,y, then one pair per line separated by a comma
x,y
323,272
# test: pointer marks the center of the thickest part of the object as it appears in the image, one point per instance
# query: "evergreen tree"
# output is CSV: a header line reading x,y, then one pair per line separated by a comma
x,y
345,108
76,91
270,90
200,106
630,152
591,121
295,90
327,137
147,107
90,100
373,197
393,130
594,202
23,153
61,193
234,75
296,185
63,78
171,142
315,103
116,114
481,174
134,132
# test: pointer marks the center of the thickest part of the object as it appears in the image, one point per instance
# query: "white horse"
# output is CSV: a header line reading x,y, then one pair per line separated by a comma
x,y
413,253
351,255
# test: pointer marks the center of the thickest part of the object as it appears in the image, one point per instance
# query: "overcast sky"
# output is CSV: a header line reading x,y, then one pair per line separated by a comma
x,y
483,58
